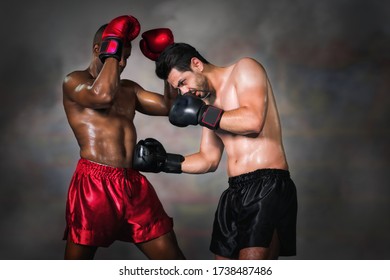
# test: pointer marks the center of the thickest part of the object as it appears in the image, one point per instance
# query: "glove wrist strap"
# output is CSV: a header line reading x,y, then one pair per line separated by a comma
x,y
111,47
211,117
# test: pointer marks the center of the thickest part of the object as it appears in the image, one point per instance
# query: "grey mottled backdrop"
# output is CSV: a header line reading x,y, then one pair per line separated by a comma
x,y
328,61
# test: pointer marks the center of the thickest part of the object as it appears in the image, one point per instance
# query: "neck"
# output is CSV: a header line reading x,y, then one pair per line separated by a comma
x,y
215,75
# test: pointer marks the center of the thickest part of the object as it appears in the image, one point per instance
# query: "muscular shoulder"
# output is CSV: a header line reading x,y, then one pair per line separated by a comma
x,y
77,75
248,65
247,71
74,79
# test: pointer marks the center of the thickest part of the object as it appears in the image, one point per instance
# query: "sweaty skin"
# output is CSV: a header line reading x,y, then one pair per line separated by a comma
x,y
250,128
100,109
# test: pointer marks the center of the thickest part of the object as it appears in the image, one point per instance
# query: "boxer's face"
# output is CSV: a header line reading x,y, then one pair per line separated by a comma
x,y
189,82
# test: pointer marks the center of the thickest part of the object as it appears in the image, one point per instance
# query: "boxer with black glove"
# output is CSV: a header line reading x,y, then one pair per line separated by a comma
x,y
248,224
191,110
150,156
118,34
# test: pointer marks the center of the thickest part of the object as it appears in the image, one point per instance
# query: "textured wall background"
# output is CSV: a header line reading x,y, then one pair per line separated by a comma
x,y
328,61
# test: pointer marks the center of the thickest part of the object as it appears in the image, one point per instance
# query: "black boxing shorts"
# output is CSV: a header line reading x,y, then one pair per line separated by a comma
x,y
254,205
109,203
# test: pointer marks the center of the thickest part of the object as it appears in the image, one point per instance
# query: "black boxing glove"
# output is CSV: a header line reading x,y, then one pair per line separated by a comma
x,y
150,156
191,110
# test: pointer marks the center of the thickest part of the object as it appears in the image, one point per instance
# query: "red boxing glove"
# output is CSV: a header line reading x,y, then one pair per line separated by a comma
x,y
120,31
155,41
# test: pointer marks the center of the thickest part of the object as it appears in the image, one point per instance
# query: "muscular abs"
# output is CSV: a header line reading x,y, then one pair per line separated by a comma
x,y
258,151
105,136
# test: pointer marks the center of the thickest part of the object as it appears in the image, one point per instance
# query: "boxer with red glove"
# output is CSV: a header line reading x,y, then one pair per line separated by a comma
x,y
191,110
100,108
154,41
150,156
118,34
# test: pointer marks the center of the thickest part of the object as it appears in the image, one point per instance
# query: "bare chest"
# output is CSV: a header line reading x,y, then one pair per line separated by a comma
x,y
227,98
123,106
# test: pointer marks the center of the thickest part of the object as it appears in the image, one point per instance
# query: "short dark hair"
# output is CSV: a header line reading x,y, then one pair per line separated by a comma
x,y
97,39
178,56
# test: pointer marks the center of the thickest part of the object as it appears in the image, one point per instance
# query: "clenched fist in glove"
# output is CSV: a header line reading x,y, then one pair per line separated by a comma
x,y
191,110
154,41
150,156
118,33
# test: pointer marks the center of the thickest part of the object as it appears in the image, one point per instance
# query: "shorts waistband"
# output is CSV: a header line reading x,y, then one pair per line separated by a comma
x,y
257,174
104,170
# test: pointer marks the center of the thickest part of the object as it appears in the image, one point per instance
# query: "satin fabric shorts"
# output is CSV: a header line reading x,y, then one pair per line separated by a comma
x,y
105,204
254,205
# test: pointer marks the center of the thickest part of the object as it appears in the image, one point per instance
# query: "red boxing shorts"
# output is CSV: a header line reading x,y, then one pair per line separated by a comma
x,y
105,204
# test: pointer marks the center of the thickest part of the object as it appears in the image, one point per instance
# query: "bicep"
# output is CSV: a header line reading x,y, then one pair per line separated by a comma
x,y
211,145
251,87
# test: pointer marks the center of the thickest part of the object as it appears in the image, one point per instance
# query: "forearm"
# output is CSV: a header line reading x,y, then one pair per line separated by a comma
x,y
197,164
150,156
115,39
99,93
191,110
107,82
241,121
170,95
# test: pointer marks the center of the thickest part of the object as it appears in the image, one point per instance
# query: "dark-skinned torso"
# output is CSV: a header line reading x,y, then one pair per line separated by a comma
x,y
107,135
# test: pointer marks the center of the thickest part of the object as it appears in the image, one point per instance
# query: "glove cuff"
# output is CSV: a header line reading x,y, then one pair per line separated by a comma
x,y
173,163
211,117
111,47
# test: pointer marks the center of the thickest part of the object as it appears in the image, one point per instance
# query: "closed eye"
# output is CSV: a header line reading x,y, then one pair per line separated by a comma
x,y
180,83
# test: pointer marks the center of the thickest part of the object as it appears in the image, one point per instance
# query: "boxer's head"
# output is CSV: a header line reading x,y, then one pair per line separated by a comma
x,y
178,56
182,65
97,40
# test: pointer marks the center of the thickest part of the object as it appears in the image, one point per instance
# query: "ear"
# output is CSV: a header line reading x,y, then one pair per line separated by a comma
x,y
96,49
196,64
